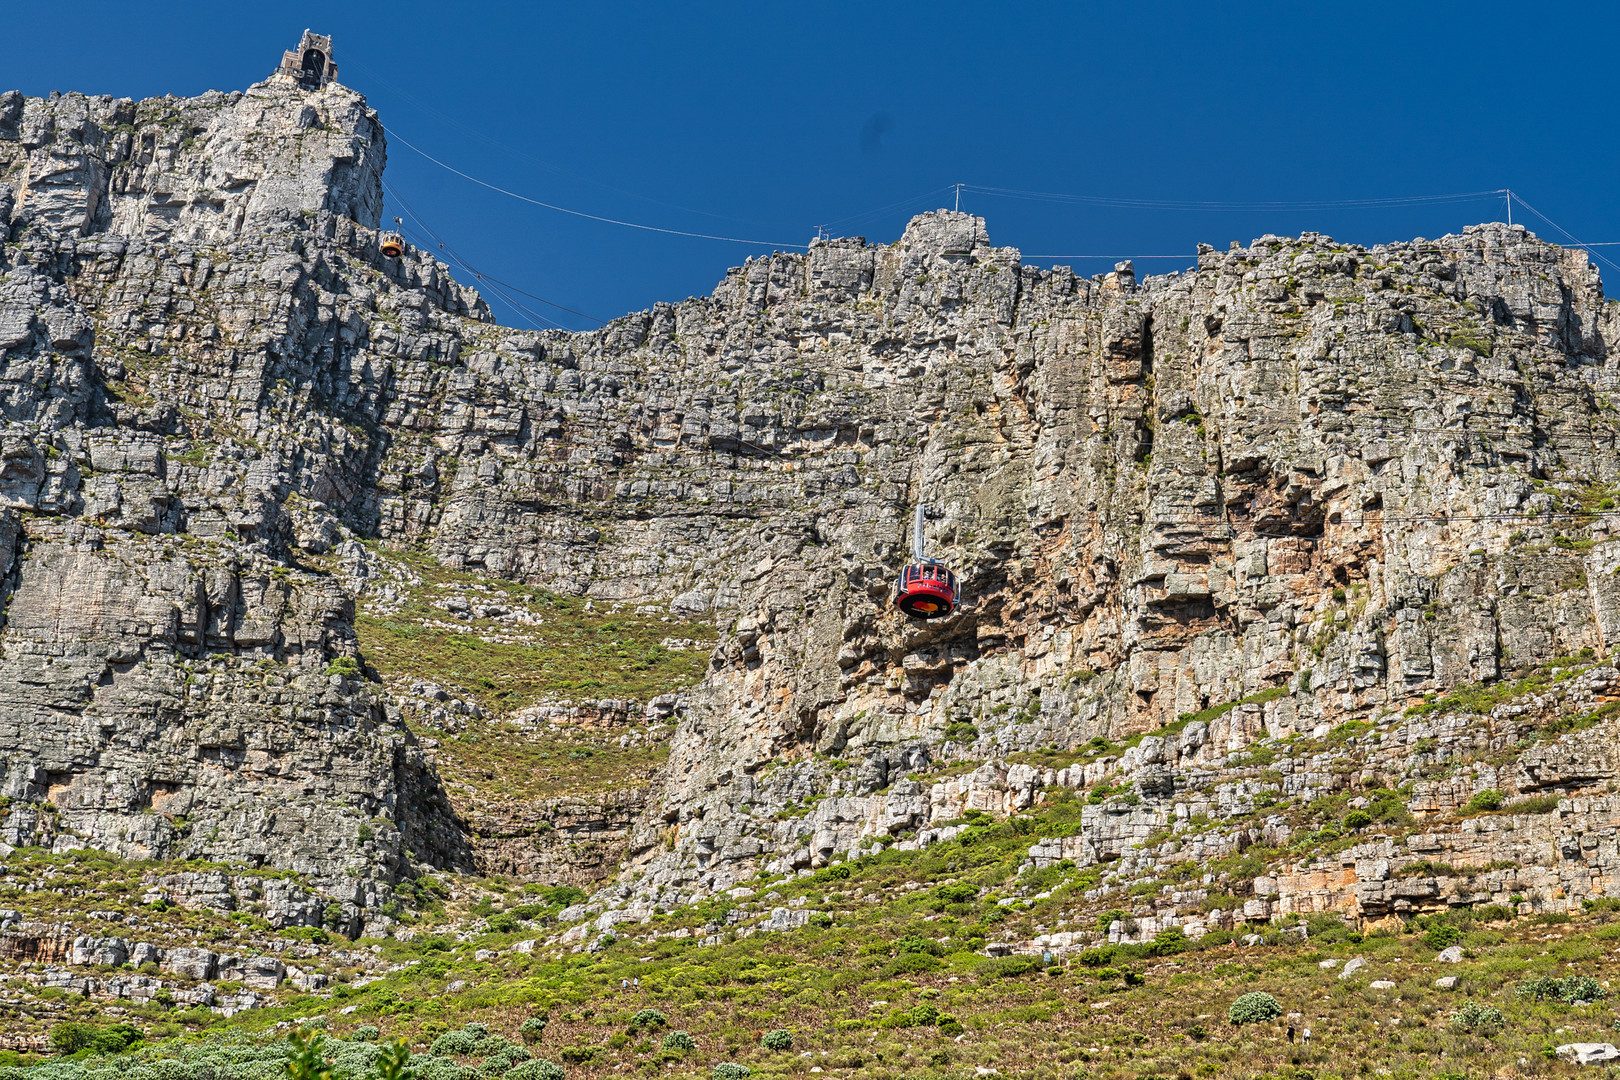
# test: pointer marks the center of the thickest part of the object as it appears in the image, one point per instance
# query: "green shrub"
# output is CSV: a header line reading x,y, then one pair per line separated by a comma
x,y
1357,819
440,1068
1475,1017
961,732
499,1062
1441,936
949,1025
1008,967
531,1030
305,1061
1569,989
366,1033
70,1037
780,1039
916,943
649,1019
679,1040
1254,1008
393,1062
538,1069
912,963
1484,802
502,922
459,1043
347,666
730,1070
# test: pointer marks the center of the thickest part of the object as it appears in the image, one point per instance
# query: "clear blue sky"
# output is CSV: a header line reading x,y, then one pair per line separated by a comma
x,y
764,120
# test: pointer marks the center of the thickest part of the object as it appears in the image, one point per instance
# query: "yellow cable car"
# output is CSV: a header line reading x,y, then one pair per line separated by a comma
x,y
393,245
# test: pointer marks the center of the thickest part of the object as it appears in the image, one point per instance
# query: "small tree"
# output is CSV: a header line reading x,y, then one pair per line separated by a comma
x,y
679,1040
71,1036
1254,1008
782,1039
532,1029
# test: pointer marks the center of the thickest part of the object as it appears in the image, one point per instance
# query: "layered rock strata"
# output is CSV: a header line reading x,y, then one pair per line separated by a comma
x,y
1351,475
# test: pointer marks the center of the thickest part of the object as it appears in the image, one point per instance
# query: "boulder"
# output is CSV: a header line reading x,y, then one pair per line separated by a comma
x,y
1588,1053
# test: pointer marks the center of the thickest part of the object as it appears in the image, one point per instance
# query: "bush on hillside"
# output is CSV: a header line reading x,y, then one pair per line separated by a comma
x,y
780,1039
538,1069
1254,1008
1441,936
679,1040
648,1019
1476,1017
469,1040
1569,989
70,1037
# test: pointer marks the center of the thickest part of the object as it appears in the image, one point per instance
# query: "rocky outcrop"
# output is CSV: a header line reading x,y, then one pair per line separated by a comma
x,y
1313,481
168,676
1344,474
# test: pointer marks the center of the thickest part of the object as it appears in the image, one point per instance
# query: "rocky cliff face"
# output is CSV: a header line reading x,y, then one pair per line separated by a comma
x,y
1327,478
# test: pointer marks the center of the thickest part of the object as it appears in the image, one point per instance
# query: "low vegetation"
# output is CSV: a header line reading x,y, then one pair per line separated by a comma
x,y
573,648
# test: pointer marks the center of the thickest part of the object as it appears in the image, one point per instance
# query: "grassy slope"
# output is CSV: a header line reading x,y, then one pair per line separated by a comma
x,y
571,651
852,993
575,651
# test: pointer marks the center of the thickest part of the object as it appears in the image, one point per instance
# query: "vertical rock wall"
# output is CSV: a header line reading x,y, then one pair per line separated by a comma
x,y
1331,470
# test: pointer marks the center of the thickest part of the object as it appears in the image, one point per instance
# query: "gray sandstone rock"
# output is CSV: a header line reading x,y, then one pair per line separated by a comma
x,y
1300,466
1588,1053
190,962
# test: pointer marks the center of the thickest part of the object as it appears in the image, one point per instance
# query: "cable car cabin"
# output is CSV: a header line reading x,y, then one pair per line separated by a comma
x,y
927,591
393,245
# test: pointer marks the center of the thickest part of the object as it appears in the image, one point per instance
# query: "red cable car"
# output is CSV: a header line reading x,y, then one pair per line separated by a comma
x,y
927,591
927,588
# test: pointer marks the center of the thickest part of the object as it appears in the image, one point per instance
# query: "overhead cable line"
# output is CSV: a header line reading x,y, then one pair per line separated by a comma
x,y
1373,517
479,136
880,211
534,318
1116,258
591,217
1235,207
495,283
1513,195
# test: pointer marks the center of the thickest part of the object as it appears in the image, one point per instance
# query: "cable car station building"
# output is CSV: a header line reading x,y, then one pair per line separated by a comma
x,y
310,63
